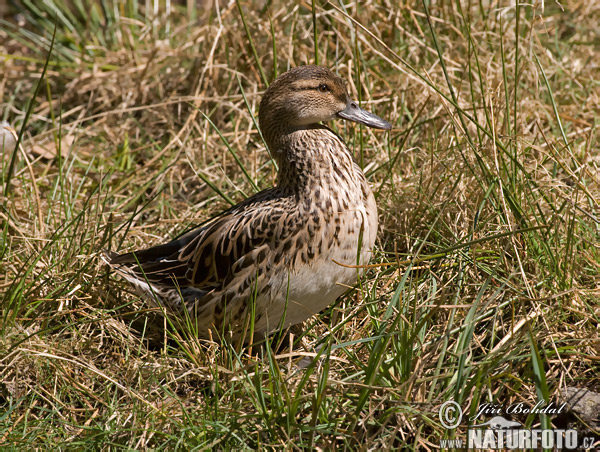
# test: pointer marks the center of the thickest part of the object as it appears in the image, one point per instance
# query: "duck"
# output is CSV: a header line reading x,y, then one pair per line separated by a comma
x,y
287,252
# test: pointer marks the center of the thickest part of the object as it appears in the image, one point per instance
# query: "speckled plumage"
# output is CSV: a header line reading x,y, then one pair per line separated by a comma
x,y
278,247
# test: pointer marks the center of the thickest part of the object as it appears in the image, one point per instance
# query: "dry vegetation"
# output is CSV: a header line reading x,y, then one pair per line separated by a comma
x,y
486,288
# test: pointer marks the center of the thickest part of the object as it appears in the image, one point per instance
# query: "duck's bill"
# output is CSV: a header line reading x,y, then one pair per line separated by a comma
x,y
353,112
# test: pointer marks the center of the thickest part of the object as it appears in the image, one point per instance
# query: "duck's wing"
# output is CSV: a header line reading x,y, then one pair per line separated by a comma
x,y
211,256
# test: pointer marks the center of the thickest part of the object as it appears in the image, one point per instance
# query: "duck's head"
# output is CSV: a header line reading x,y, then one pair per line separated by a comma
x,y
307,95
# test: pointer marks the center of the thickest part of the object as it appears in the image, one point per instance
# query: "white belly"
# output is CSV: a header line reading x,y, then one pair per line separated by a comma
x,y
310,288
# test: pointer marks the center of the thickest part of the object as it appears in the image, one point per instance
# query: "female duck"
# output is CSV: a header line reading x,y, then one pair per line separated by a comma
x,y
273,256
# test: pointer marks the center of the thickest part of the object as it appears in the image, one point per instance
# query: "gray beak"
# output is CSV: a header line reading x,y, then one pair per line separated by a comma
x,y
353,112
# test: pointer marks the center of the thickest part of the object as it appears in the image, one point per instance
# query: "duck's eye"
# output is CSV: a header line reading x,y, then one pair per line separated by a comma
x,y
323,88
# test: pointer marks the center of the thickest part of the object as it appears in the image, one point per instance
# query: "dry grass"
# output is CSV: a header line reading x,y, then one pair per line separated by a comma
x,y
488,189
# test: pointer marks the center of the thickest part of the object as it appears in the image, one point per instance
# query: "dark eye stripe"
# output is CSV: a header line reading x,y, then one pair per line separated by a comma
x,y
316,88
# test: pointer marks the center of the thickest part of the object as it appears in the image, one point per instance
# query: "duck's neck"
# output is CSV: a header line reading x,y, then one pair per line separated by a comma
x,y
314,157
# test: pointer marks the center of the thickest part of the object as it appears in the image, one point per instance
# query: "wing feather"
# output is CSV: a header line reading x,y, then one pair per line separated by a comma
x,y
208,257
